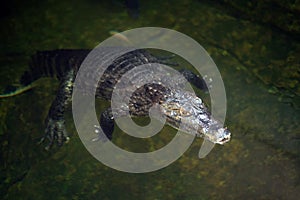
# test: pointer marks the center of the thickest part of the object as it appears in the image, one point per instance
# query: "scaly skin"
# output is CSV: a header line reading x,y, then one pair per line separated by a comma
x,y
176,105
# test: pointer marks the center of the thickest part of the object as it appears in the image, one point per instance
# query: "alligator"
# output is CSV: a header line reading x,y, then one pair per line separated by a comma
x,y
177,106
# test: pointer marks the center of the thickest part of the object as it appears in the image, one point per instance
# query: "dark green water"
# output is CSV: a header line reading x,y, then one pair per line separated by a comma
x,y
260,69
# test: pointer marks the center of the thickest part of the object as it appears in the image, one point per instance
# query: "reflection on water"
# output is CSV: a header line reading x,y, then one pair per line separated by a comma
x,y
257,64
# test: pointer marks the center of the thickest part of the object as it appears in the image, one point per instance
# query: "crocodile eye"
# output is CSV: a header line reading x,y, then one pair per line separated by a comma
x,y
197,102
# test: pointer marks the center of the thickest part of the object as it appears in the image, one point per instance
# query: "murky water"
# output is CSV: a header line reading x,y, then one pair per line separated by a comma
x,y
260,162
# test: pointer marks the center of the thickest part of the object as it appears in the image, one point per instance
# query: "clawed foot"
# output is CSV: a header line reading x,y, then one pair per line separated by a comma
x,y
100,137
204,83
106,126
208,81
55,132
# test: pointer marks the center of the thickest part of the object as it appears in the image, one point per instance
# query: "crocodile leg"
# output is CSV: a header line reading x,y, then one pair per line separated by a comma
x,y
107,125
55,122
195,79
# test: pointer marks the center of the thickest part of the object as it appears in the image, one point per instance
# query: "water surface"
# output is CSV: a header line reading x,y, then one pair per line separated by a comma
x,y
258,66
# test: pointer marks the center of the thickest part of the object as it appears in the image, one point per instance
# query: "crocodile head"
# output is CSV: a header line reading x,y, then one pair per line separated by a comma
x,y
187,112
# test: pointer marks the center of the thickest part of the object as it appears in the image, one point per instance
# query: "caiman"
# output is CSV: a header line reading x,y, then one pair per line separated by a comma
x,y
177,105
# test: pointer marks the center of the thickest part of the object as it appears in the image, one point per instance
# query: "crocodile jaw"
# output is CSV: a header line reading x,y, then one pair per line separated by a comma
x,y
187,112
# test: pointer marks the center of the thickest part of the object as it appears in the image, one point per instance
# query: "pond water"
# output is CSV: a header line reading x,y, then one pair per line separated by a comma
x,y
258,65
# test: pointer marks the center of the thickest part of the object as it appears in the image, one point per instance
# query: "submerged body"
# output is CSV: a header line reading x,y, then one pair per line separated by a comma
x,y
181,109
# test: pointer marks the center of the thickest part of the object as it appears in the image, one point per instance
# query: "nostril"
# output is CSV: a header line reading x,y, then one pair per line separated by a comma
x,y
227,132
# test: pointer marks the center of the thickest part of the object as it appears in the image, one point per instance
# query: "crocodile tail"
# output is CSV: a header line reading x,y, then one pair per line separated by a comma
x,y
17,91
53,63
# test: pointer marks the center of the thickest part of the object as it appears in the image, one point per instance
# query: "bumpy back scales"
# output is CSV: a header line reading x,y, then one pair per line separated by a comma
x,y
53,63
